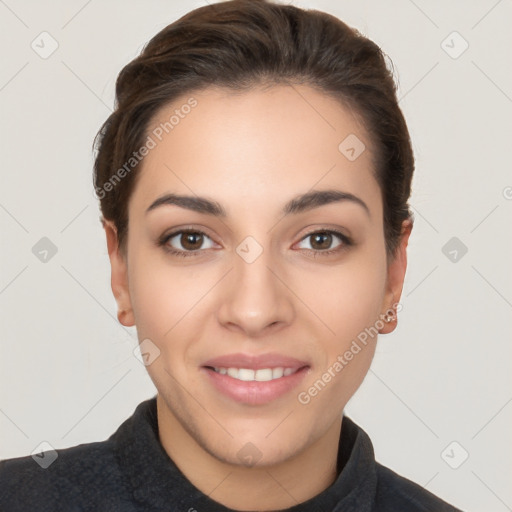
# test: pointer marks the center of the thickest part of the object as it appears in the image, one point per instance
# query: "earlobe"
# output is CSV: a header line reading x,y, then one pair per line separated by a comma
x,y
119,276
395,280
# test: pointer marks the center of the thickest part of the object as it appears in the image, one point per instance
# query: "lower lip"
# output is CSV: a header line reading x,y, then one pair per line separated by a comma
x,y
254,392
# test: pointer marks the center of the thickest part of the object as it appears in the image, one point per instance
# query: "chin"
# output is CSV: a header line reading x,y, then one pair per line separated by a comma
x,y
255,455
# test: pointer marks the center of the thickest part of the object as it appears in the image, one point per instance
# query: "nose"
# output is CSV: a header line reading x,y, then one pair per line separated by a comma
x,y
255,298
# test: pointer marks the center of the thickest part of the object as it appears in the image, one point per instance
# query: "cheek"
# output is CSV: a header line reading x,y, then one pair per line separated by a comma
x,y
347,298
171,305
349,304
160,294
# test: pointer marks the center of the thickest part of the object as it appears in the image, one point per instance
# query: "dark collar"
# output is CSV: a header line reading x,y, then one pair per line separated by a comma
x,y
157,482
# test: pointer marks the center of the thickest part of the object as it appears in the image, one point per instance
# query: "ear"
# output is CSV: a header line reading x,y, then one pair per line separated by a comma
x,y
395,279
119,276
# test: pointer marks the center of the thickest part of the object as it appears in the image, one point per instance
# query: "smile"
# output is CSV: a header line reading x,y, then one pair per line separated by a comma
x,y
254,379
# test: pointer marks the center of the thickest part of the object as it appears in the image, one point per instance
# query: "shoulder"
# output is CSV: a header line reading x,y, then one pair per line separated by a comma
x,y
394,492
70,477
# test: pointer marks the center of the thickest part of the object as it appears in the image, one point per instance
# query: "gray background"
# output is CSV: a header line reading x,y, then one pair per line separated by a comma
x,y
67,370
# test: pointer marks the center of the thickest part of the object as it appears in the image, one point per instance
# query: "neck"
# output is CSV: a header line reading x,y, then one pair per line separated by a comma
x,y
271,487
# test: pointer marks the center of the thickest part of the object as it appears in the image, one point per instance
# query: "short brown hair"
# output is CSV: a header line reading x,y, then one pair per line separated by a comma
x,y
240,44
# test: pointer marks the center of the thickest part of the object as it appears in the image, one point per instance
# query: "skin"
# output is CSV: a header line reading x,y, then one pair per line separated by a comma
x,y
253,152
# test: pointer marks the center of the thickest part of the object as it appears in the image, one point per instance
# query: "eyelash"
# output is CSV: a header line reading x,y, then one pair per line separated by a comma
x,y
346,242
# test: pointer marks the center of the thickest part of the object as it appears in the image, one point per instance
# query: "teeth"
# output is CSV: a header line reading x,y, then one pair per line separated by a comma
x,y
233,372
277,373
261,375
245,374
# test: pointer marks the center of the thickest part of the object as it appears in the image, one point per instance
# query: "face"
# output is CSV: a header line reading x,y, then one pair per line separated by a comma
x,y
252,289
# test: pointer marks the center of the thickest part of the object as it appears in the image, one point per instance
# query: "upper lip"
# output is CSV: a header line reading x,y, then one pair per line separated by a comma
x,y
255,362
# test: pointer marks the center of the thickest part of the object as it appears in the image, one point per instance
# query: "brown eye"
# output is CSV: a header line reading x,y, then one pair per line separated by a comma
x,y
186,242
321,241
325,242
191,241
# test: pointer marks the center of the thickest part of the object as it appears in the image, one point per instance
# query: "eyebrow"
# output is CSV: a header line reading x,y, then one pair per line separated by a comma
x,y
296,205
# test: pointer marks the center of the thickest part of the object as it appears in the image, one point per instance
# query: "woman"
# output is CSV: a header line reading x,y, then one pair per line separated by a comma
x,y
254,182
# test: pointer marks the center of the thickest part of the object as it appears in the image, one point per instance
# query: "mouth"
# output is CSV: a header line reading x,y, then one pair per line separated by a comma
x,y
254,380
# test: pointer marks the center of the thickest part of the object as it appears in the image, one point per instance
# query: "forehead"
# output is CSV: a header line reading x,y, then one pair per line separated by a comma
x,y
254,149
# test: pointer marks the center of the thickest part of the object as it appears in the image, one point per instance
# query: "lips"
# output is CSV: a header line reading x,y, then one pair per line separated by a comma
x,y
254,379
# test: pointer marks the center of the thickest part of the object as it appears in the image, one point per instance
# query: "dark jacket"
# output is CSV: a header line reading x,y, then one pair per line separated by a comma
x,y
131,472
